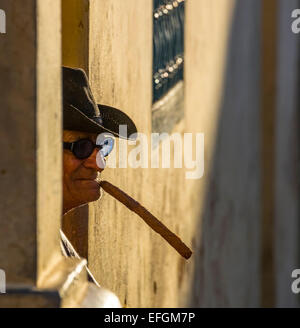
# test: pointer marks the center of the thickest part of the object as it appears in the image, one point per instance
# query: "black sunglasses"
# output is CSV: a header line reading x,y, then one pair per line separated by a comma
x,y
83,148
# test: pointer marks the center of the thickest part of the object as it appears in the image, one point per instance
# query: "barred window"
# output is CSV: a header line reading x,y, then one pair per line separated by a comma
x,y
168,59
168,45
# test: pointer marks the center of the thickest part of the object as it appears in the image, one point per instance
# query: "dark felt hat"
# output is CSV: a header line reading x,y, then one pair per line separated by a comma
x,y
81,113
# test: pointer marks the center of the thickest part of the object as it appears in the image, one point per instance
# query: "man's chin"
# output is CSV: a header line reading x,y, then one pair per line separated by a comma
x,y
90,190
91,197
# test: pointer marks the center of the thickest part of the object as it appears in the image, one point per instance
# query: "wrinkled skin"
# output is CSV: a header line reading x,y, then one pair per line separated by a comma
x,y
79,175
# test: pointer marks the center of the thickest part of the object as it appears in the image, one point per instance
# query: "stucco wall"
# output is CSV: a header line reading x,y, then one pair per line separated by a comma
x,y
218,215
287,157
31,166
124,254
223,47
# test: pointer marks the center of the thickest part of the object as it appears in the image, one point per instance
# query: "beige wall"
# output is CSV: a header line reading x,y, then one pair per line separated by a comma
x,y
124,255
225,51
24,137
37,275
218,216
31,169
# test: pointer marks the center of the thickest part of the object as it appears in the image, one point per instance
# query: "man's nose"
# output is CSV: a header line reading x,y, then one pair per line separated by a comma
x,y
91,162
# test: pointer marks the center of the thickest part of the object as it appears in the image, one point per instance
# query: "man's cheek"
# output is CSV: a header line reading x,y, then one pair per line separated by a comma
x,y
70,161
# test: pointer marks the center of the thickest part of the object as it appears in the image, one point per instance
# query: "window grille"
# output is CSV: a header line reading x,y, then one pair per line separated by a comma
x,y
168,45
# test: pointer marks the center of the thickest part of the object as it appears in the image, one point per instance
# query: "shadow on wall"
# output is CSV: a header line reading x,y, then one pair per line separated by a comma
x,y
227,257
75,227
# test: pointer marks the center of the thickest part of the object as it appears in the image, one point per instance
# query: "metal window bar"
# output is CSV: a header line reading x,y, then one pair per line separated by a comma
x,y
168,45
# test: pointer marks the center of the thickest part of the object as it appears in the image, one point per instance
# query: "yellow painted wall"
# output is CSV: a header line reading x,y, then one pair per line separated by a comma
x,y
219,216
123,253
30,91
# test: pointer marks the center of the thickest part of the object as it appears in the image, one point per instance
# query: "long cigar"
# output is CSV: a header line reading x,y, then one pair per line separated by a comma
x,y
150,219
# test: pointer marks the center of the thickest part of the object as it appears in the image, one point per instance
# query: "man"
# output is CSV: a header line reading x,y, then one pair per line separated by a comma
x,y
83,122
80,175
85,144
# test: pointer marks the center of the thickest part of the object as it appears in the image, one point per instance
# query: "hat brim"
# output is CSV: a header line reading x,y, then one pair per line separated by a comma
x,y
112,118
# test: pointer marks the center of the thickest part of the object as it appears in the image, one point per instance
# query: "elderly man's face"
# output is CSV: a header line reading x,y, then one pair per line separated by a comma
x,y
79,175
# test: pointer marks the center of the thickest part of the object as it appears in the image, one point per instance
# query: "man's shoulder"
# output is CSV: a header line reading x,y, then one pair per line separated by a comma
x,y
66,247
69,251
